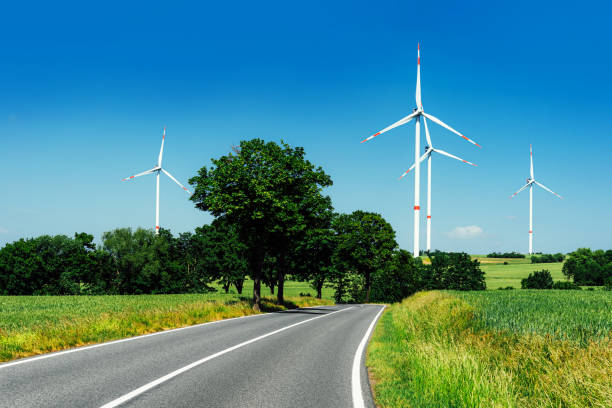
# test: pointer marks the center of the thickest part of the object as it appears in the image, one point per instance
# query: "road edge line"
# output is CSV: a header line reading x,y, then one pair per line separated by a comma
x,y
142,389
357,392
25,360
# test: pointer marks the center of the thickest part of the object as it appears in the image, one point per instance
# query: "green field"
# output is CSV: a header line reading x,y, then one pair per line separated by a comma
x,y
494,349
499,275
38,324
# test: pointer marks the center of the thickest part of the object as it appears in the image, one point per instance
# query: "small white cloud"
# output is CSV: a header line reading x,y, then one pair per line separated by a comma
x,y
469,232
3,230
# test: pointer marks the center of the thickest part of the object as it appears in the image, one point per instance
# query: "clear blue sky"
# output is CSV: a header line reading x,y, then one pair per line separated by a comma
x,y
86,90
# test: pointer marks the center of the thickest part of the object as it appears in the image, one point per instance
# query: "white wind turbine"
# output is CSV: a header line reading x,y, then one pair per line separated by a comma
x,y
156,170
429,149
530,182
416,114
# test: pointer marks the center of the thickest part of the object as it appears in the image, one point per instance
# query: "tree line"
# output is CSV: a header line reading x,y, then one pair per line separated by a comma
x,y
272,222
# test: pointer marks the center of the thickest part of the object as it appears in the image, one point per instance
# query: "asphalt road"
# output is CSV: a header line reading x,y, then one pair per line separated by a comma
x,y
301,358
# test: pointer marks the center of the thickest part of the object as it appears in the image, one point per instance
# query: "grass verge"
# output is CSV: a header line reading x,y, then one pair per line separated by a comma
x,y
31,325
435,349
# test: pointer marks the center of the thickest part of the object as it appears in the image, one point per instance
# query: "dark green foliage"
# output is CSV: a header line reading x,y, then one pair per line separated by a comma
x,y
267,191
399,278
547,258
149,263
452,270
566,285
538,280
364,245
588,268
51,265
505,255
506,288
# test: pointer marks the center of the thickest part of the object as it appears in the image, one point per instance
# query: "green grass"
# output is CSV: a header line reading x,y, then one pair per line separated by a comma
x,y
37,324
494,349
499,275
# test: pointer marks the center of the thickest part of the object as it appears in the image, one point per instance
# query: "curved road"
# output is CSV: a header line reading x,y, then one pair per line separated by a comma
x,y
310,357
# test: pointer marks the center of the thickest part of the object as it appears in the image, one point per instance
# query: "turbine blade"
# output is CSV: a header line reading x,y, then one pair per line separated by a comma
x,y
439,122
417,94
176,181
423,157
522,188
531,158
453,156
161,151
144,173
547,189
396,124
427,132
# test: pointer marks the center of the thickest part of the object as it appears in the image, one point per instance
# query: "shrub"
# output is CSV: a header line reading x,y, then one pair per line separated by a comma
x,y
506,288
566,285
538,280
505,255
547,258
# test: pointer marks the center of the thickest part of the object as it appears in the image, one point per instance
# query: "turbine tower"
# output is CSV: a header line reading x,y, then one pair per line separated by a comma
x,y
530,183
429,149
417,114
156,170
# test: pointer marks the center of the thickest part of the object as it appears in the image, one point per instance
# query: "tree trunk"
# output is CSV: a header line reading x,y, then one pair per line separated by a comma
x,y
239,283
368,287
257,294
319,289
280,293
271,286
226,286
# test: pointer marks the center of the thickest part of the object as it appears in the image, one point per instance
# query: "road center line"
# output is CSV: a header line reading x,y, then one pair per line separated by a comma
x,y
356,376
188,367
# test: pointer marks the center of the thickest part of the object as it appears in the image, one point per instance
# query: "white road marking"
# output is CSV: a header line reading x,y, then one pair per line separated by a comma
x,y
108,343
173,374
356,376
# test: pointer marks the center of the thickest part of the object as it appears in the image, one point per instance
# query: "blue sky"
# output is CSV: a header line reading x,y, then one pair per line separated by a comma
x,y
86,90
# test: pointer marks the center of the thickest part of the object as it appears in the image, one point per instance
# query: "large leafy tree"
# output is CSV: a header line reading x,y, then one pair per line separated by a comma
x,y
365,244
264,190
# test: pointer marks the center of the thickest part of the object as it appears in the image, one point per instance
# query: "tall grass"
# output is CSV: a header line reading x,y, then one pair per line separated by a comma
x,y
38,324
435,350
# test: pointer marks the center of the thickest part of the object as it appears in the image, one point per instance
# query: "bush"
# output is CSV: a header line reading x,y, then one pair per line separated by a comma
x,y
506,288
566,285
505,255
538,280
547,258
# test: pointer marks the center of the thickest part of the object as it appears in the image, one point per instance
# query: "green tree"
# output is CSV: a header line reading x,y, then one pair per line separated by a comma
x,y
263,189
538,280
364,244
453,270
399,278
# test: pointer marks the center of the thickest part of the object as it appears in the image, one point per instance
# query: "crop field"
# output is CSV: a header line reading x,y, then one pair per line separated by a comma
x,y
499,275
38,324
573,315
494,349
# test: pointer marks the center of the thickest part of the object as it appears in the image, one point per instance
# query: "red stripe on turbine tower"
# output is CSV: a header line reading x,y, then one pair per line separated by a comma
x,y
416,207
531,232
429,216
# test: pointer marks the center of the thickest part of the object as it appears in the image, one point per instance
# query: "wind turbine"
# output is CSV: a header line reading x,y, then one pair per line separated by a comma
x,y
530,182
429,149
416,114
156,170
